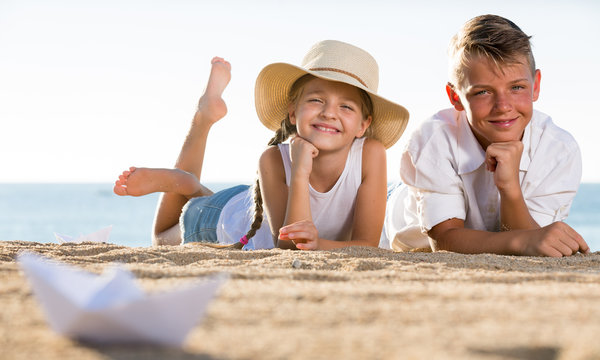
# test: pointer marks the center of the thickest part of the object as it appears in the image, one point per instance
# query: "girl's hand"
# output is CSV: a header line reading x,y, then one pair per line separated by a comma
x,y
303,234
503,159
302,154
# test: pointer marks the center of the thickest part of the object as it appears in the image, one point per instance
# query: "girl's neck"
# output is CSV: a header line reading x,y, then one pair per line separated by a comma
x,y
327,168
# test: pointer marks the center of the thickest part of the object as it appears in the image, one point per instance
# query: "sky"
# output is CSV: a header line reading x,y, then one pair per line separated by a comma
x,y
89,88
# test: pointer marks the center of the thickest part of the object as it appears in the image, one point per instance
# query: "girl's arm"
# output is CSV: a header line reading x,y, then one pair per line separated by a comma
x,y
369,210
297,210
273,189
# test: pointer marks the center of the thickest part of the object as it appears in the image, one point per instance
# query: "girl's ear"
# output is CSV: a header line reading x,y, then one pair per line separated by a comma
x,y
364,125
454,98
292,113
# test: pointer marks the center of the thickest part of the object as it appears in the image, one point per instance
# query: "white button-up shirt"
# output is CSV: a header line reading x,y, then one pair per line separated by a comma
x,y
445,177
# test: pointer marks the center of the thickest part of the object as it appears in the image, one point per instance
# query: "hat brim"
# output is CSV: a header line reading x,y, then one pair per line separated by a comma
x,y
271,100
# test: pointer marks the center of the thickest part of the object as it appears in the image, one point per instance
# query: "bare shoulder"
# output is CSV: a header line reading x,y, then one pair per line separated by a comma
x,y
373,150
270,163
374,159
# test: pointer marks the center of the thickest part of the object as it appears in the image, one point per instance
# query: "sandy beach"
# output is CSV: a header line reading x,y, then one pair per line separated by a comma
x,y
355,303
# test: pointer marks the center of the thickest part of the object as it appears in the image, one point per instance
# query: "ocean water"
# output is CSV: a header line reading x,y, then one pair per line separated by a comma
x,y
34,212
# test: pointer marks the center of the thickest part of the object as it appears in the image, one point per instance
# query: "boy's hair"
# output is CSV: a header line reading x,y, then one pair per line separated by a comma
x,y
286,130
491,36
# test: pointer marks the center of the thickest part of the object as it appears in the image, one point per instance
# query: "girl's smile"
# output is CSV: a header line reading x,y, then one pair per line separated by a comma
x,y
326,128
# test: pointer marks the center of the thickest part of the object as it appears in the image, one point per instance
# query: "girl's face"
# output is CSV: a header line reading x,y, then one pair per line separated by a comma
x,y
329,115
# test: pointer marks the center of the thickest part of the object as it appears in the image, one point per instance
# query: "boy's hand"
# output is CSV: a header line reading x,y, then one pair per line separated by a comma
x,y
302,154
303,234
503,159
557,239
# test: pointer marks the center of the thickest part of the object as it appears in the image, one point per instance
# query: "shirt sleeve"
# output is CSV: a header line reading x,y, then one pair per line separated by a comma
x,y
435,191
553,176
549,196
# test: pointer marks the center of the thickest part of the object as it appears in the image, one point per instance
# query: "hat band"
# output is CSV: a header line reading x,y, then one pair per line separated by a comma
x,y
342,72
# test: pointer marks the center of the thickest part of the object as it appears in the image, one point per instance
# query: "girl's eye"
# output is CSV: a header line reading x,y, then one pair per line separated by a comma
x,y
314,100
348,107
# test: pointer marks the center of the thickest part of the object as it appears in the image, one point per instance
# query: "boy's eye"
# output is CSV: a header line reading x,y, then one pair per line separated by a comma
x,y
518,87
481,92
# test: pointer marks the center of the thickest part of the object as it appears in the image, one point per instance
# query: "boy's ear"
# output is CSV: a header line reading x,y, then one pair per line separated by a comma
x,y
292,113
536,84
454,98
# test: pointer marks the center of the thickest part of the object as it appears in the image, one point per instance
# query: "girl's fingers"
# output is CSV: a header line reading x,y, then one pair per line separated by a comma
x,y
306,246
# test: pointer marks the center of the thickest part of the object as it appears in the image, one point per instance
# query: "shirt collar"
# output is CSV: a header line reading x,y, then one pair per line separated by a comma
x,y
471,155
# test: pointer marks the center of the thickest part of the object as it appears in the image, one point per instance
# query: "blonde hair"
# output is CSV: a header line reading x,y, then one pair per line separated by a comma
x,y
286,130
490,36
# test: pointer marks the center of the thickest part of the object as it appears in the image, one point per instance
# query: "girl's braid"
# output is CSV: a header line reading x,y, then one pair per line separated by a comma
x,y
282,134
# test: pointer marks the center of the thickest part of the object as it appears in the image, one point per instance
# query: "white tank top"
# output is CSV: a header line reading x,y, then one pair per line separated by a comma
x,y
332,211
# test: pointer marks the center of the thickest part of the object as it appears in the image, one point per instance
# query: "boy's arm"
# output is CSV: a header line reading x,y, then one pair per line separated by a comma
x,y
503,159
557,239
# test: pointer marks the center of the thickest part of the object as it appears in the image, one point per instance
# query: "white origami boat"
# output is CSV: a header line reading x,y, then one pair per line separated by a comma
x,y
98,236
111,307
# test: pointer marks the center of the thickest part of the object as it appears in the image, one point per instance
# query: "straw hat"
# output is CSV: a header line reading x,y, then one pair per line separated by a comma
x,y
336,61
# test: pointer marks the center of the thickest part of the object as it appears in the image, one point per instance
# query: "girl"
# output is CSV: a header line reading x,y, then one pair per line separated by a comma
x,y
324,189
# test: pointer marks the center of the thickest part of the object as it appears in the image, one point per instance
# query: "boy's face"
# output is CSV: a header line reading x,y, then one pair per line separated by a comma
x,y
498,102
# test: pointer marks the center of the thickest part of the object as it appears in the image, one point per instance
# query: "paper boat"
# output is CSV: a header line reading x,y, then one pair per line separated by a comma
x,y
98,236
111,307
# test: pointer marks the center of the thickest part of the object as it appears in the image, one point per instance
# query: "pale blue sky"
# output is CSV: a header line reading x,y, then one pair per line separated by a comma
x,y
88,88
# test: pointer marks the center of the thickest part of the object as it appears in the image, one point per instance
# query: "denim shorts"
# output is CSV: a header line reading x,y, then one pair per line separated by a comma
x,y
199,217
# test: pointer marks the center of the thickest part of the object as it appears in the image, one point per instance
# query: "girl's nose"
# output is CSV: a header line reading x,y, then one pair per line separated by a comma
x,y
328,111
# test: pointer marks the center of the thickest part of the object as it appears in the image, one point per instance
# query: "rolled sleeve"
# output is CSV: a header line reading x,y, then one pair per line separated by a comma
x,y
435,190
434,208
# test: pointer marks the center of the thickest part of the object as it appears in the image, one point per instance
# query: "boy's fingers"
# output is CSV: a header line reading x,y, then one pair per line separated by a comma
x,y
563,248
550,251
575,236
571,243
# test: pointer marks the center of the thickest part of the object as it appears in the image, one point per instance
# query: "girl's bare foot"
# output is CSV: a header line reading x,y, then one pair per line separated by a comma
x,y
143,181
211,106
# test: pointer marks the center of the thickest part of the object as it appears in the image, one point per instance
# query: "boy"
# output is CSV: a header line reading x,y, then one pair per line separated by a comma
x,y
490,175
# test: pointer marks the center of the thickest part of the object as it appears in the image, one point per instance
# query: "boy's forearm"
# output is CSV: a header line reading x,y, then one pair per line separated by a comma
x,y
514,213
469,241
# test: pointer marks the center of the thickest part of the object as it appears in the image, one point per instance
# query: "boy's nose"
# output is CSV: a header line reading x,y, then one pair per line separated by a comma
x,y
502,102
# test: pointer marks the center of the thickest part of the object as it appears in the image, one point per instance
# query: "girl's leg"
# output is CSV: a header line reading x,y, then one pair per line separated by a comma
x,y
183,182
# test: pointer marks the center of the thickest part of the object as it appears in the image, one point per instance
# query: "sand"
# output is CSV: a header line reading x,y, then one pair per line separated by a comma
x,y
355,303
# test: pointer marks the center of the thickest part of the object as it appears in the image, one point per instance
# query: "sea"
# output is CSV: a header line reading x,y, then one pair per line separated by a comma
x,y
35,212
